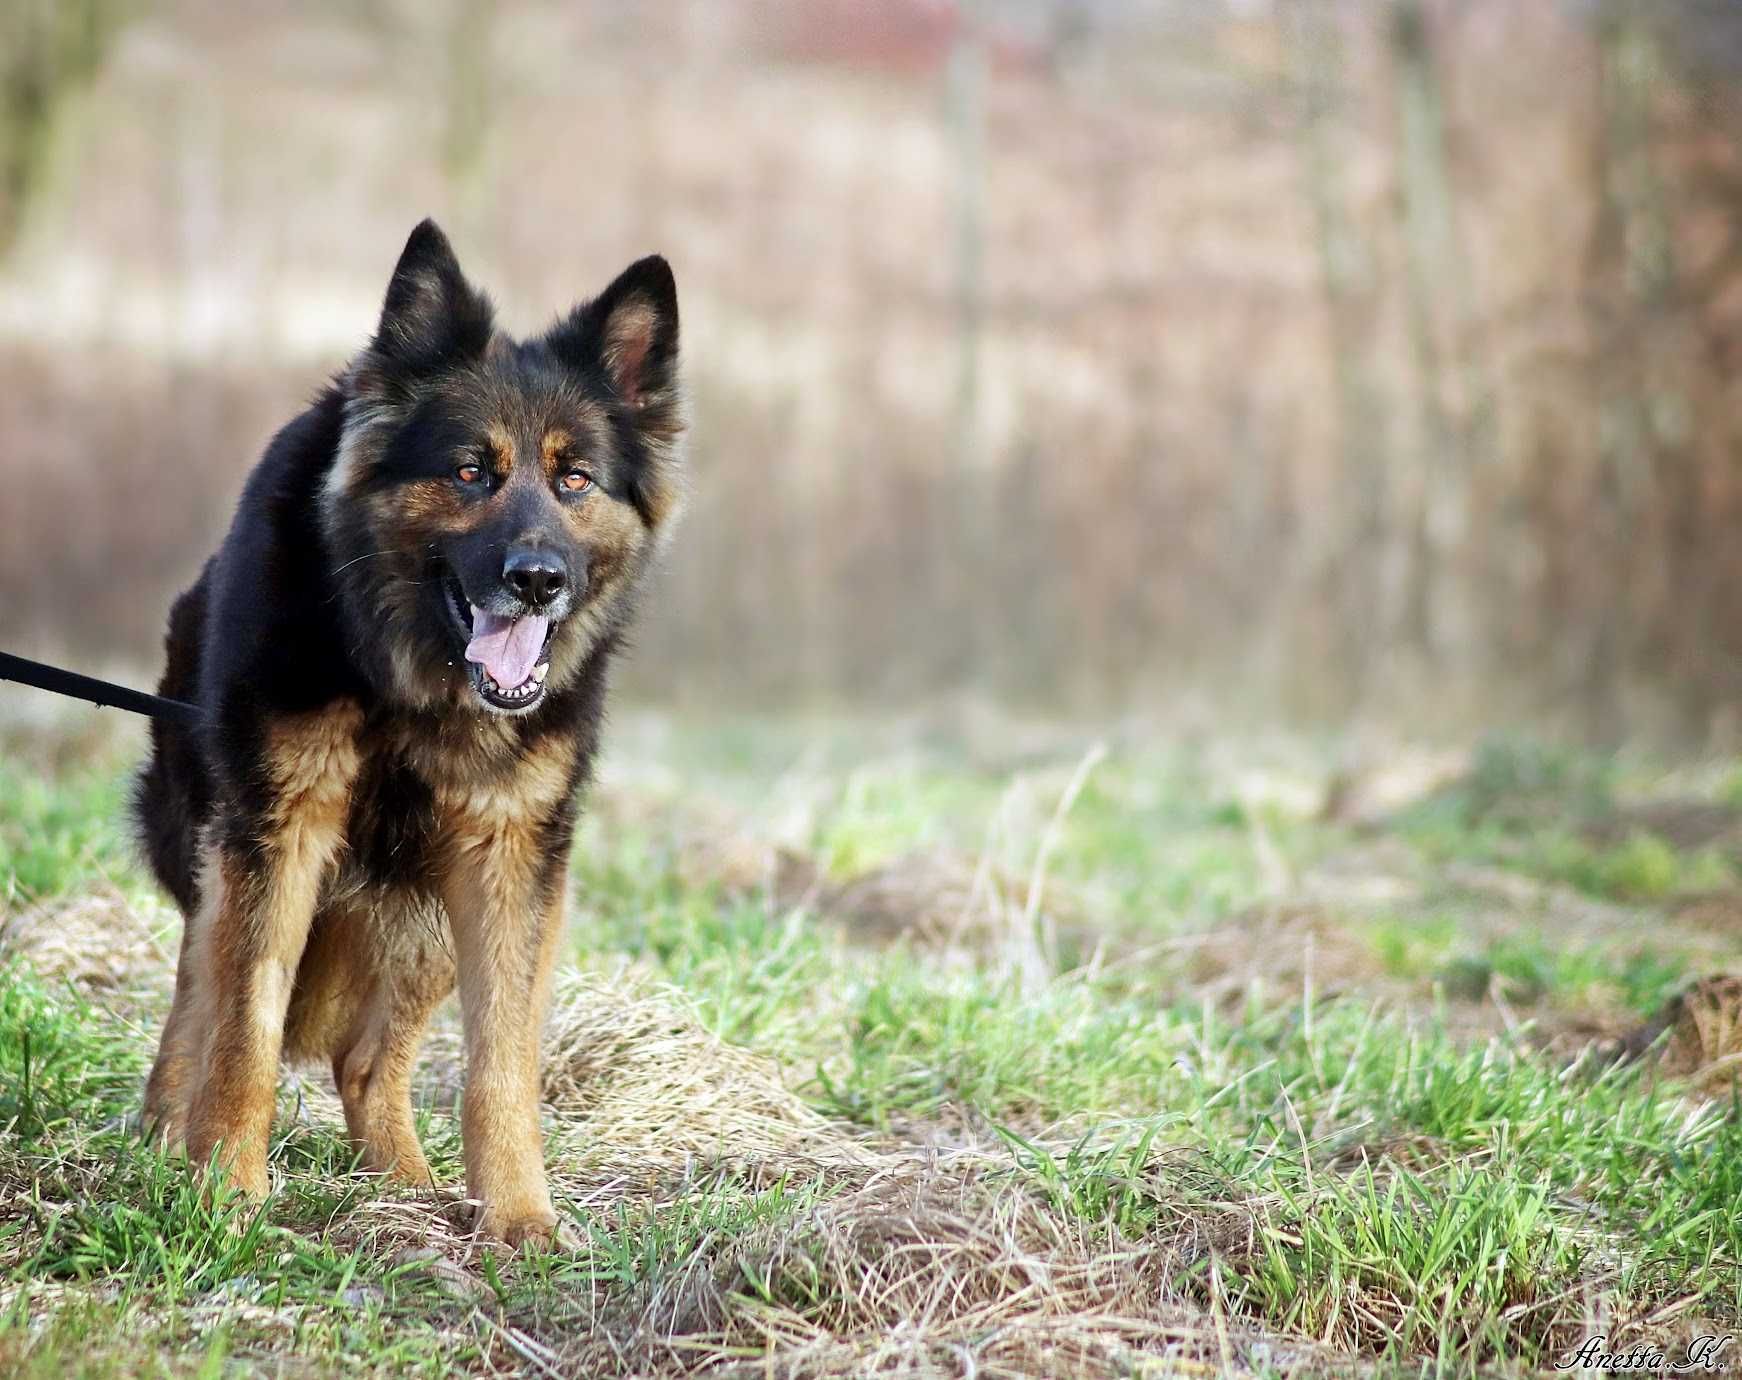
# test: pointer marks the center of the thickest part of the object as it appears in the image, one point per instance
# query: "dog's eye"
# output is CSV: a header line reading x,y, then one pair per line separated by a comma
x,y
469,473
577,481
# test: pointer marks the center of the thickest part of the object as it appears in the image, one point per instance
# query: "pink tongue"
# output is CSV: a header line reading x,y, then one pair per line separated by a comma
x,y
506,647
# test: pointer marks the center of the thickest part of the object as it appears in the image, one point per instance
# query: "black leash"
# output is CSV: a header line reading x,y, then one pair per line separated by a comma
x,y
79,687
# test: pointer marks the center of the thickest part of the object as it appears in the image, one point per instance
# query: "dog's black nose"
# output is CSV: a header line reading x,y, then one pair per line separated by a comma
x,y
536,576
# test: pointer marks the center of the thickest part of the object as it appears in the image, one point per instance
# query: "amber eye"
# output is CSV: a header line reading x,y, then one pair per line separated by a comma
x,y
577,481
469,473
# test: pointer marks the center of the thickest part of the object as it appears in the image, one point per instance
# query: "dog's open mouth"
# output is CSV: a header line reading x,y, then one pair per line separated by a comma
x,y
507,657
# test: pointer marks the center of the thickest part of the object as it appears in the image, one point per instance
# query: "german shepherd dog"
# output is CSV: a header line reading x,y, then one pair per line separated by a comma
x,y
401,651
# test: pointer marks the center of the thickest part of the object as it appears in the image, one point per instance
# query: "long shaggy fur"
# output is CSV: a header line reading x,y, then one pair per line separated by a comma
x,y
367,819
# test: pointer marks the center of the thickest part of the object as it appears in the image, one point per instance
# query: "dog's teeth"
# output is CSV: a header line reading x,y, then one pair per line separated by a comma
x,y
540,671
527,691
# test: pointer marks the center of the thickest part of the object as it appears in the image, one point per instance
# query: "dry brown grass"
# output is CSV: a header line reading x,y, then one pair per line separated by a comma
x,y
634,1076
116,947
910,1262
1155,352
932,1268
1697,1038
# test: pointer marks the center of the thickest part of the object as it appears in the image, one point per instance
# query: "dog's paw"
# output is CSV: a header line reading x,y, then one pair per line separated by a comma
x,y
161,1122
243,1171
538,1231
544,1230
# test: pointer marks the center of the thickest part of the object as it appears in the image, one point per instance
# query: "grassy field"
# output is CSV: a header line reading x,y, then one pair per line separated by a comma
x,y
961,1049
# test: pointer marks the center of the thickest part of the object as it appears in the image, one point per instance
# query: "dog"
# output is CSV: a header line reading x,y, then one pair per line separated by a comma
x,y
400,650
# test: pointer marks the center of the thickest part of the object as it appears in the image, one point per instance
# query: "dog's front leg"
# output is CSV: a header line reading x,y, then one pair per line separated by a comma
x,y
264,872
504,896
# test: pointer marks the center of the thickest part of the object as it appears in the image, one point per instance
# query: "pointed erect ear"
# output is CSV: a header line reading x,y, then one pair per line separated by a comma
x,y
433,317
629,332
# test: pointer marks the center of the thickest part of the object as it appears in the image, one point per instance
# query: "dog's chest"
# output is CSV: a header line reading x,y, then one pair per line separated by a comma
x,y
393,826
416,792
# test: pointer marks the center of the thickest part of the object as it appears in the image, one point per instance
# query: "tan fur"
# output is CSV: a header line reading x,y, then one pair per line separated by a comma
x,y
355,867
501,444
246,950
365,423
628,337
506,954
555,450
430,505
536,784
368,981
299,960
181,1051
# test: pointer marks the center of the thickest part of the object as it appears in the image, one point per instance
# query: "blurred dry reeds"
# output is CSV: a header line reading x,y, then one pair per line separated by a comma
x,y
1358,356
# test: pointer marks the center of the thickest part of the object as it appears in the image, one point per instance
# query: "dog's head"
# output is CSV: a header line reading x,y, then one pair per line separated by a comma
x,y
495,502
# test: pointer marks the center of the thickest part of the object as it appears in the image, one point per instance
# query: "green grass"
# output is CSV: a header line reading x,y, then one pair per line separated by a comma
x,y
1384,1167
60,1062
59,836
1535,810
633,1245
1461,1255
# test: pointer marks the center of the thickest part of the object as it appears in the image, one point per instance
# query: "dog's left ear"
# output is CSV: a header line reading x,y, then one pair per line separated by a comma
x,y
629,332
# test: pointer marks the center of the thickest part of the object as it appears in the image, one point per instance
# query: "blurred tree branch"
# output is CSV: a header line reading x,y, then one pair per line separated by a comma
x,y
48,49
1347,555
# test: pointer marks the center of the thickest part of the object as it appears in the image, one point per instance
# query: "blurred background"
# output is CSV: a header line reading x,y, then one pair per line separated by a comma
x,y
1321,360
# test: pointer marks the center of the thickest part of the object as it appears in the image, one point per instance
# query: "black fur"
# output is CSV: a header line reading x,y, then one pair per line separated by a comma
x,y
320,585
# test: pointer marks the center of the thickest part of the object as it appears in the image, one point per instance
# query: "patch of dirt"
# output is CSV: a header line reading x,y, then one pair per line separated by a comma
x,y
1711,912
934,896
1683,824
100,941
1370,794
1279,949
1697,1037
942,900
938,900
1283,947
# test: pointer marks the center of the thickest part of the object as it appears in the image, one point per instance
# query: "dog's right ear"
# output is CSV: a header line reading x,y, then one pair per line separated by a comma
x,y
432,318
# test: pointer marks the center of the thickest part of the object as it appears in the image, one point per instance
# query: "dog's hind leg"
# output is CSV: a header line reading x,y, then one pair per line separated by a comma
x,y
372,973
265,878
373,1062
170,1088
